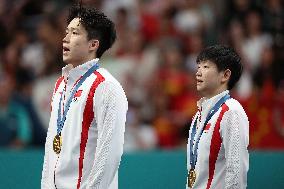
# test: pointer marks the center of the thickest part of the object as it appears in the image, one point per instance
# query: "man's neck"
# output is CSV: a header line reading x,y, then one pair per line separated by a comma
x,y
75,64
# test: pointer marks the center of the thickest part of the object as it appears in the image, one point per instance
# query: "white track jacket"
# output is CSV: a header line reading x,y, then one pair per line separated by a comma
x,y
223,158
93,133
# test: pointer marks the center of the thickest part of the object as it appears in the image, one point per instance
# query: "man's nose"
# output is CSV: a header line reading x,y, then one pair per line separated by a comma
x,y
65,39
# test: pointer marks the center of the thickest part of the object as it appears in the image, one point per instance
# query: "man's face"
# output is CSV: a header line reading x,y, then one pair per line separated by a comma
x,y
209,80
76,46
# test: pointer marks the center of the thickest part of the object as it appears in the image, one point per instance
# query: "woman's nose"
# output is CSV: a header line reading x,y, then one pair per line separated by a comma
x,y
198,72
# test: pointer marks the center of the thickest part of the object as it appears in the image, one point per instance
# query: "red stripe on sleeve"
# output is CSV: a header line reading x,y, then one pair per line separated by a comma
x,y
59,80
215,145
57,84
88,117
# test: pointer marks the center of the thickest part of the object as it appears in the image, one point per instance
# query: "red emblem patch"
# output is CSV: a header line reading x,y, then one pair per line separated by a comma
x,y
207,127
78,93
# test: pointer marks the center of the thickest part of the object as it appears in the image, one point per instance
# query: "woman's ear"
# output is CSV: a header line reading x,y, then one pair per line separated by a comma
x,y
226,75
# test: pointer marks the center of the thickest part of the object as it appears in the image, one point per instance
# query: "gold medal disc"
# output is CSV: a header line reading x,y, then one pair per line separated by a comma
x,y
191,178
57,143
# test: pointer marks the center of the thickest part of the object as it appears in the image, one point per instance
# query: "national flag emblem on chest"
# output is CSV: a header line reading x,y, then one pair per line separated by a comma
x,y
207,127
77,95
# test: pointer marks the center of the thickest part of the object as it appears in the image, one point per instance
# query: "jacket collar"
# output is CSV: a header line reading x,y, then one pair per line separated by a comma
x,y
204,104
73,74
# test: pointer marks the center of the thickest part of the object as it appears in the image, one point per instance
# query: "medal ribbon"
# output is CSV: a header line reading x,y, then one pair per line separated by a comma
x,y
61,120
193,152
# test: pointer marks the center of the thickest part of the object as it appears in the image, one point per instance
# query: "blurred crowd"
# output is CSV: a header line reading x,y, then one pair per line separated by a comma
x,y
154,59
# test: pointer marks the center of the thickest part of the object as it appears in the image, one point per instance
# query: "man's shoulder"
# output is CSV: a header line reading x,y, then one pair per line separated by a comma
x,y
110,81
108,77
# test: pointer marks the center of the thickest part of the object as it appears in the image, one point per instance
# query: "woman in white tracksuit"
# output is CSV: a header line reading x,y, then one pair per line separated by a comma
x,y
217,155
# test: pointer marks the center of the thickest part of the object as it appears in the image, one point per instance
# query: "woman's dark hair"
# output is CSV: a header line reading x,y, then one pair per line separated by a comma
x,y
225,58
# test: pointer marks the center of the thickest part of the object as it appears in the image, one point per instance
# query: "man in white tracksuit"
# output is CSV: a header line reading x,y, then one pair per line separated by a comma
x,y
217,155
85,137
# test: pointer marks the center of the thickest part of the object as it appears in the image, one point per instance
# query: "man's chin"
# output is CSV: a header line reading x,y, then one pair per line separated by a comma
x,y
66,60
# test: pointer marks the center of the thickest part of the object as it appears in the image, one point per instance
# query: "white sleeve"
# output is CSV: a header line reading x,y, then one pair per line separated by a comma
x,y
48,147
235,133
44,182
110,114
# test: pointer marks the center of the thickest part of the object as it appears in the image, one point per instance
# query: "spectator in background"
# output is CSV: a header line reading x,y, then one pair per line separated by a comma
x,y
194,45
236,10
23,95
264,105
15,130
190,19
255,41
273,21
138,135
170,85
44,55
263,76
278,115
236,37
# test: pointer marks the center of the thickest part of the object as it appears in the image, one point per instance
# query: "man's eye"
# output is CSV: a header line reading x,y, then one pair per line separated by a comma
x,y
75,33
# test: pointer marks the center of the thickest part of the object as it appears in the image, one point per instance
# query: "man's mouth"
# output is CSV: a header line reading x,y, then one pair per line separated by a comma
x,y
66,49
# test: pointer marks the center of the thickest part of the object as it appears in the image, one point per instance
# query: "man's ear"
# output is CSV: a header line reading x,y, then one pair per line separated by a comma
x,y
226,75
94,44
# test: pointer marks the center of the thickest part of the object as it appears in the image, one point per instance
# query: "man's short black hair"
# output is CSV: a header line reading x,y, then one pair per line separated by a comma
x,y
225,58
97,25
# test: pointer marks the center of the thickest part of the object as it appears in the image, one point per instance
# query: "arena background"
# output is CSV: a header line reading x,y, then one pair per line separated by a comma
x,y
154,59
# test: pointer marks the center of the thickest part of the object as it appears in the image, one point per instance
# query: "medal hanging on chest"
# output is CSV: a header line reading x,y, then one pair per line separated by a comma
x,y
57,143
191,178
193,149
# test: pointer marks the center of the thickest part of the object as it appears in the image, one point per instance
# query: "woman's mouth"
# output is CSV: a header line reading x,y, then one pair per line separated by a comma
x,y
199,81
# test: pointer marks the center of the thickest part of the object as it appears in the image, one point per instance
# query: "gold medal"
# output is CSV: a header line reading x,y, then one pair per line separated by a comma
x,y
191,178
57,143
